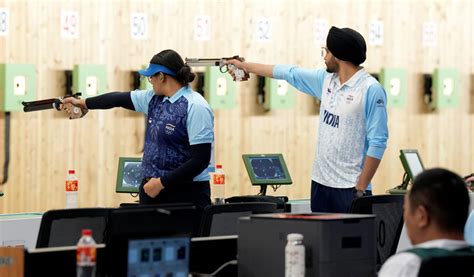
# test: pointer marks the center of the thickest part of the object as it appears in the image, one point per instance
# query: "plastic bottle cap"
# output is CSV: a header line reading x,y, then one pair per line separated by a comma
x,y
86,232
218,166
294,236
72,171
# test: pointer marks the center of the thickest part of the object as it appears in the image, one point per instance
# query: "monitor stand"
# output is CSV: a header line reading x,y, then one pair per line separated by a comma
x,y
134,203
261,197
263,190
401,189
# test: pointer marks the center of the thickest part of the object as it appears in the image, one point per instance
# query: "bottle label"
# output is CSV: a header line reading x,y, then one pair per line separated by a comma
x,y
71,185
294,261
218,179
85,255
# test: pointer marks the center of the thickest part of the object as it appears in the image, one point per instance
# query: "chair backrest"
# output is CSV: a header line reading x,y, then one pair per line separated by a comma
x,y
220,220
388,210
459,266
63,227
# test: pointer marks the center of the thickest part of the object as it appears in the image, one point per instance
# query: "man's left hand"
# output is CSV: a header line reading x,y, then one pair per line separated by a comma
x,y
153,187
359,192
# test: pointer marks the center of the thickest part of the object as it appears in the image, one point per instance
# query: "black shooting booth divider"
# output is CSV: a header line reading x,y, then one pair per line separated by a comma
x,y
222,220
211,254
122,225
335,244
207,255
58,261
388,210
63,227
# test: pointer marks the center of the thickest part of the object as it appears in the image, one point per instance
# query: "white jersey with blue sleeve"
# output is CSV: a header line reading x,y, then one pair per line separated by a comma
x,y
352,122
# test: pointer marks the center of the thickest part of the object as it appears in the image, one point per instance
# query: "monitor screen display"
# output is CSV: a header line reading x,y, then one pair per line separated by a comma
x,y
414,163
267,169
411,162
129,175
158,257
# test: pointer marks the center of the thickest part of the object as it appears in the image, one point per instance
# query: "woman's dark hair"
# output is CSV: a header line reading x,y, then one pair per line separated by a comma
x,y
172,60
444,195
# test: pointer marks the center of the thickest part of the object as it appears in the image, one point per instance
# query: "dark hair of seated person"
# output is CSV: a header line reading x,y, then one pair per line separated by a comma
x,y
444,194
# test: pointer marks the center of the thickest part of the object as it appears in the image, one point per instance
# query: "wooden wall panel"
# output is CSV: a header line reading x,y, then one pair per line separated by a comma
x,y
44,145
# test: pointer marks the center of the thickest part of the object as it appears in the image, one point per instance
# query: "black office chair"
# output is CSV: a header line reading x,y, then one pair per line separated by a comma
x,y
460,266
220,220
63,227
388,210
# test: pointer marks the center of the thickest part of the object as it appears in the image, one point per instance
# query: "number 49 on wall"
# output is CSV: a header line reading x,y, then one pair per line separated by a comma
x,y
69,24
4,21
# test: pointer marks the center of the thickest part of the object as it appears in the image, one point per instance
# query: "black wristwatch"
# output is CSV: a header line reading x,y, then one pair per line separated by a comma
x,y
359,193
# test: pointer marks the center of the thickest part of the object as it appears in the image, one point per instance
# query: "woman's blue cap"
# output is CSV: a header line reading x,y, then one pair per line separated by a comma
x,y
156,68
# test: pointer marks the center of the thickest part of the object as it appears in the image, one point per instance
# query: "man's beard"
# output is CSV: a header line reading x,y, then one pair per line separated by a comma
x,y
330,69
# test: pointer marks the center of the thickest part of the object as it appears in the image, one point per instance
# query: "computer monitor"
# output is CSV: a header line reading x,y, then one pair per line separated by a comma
x,y
411,162
144,222
267,169
129,175
164,256
209,253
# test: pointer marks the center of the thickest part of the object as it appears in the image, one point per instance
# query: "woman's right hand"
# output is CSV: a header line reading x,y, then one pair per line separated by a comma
x,y
81,103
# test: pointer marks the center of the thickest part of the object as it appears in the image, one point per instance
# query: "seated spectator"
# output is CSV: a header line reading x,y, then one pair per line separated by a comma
x,y
435,212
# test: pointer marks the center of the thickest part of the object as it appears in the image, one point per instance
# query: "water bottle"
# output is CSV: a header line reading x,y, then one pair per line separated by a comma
x,y
72,186
86,255
218,185
294,256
